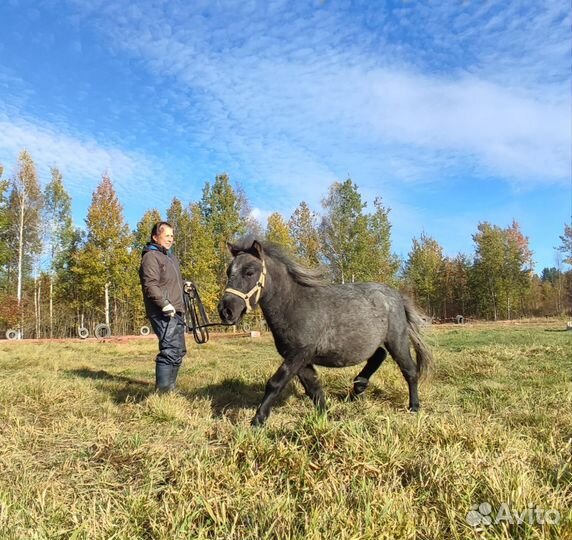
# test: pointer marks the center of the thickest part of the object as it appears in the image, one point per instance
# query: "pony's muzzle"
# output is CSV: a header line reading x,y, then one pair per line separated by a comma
x,y
231,309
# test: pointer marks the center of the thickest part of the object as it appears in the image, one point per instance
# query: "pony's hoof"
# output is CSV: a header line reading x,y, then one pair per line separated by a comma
x,y
360,386
414,408
257,422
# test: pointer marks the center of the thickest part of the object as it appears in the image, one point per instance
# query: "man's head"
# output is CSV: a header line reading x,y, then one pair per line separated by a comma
x,y
162,234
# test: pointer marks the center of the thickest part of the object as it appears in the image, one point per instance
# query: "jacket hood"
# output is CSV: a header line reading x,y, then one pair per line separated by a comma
x,y
151,246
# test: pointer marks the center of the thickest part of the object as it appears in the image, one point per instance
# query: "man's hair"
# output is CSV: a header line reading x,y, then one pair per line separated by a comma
x,y
158,229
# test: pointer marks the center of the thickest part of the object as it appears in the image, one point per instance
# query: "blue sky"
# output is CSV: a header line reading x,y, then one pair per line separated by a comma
x,y
454,112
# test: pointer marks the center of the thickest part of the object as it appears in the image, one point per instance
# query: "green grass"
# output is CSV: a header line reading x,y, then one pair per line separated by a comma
x,y
88,451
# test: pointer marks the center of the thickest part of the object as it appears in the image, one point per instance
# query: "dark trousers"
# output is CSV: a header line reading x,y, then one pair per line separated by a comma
x,y
171,334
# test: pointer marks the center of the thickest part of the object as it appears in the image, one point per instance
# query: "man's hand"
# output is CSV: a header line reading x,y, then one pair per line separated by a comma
x,y
188,287
169,310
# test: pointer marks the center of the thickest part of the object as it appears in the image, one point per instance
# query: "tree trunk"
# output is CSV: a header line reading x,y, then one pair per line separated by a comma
x,y
107,304
20,263
36,308
51,306
39,308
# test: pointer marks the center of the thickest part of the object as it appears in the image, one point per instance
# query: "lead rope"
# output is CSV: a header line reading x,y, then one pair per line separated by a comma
x,y
195,311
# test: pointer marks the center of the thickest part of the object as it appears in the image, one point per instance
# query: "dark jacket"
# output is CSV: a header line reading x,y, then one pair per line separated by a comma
x,y
161,280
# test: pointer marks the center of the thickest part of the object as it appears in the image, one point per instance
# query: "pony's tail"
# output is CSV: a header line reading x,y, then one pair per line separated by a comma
x,y
423,353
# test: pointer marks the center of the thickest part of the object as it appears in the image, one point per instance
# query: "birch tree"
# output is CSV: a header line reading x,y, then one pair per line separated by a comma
x,y
59,233
25,211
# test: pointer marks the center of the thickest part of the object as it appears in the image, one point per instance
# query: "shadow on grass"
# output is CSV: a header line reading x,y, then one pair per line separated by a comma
x,y
557,330
134,390
231,395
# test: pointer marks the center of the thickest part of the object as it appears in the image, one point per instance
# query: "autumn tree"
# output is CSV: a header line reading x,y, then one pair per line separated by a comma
x,y
461,288
104,261
501,270
423,272
9,312
221,211
384,263
202,263
59,234
303,229
25,205
178,217
5,241
566,244
278,233
344,233
142,232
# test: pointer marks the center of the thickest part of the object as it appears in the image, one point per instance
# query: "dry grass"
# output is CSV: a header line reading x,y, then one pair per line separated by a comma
x,y
88,451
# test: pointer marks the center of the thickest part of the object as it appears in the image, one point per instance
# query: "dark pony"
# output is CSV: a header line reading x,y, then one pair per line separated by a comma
x,y
317,323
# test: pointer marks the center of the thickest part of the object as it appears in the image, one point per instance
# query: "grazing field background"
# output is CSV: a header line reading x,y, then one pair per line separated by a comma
x,y
88,451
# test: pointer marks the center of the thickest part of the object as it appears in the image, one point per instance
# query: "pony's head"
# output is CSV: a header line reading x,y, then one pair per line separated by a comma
x,y
246,276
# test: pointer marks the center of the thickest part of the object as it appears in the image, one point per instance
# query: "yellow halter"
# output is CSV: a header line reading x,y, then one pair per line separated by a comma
x,y
257,289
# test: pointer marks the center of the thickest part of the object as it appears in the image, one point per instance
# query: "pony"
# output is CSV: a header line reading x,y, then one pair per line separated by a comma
x,y
314,322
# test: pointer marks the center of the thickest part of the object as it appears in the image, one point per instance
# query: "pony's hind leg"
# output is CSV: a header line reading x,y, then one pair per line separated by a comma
x,y
309,379
361,381
399,350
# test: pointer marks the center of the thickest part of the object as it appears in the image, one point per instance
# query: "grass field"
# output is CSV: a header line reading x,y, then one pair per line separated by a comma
x,y
88,451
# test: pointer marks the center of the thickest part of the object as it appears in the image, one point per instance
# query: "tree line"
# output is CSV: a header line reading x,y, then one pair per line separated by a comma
x,y
56,277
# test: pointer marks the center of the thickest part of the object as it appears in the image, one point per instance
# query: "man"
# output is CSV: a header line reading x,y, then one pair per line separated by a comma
x,y
163,294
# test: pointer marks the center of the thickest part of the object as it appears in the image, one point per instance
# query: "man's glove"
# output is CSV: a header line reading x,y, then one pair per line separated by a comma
x,y
169,310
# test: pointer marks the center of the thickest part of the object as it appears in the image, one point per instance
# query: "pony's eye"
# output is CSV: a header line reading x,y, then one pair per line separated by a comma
x,y
249,273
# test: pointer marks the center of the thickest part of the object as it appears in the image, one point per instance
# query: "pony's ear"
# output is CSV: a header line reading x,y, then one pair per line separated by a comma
x,y
257,250
233,249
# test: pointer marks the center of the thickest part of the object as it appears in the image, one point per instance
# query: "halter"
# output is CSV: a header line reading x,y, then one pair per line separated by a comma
x,y
257,289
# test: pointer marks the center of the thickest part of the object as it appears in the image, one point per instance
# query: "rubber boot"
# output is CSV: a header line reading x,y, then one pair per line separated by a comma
x,y
163,378
173,377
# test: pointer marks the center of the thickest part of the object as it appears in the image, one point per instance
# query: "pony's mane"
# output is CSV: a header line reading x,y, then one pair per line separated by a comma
x,y
308,277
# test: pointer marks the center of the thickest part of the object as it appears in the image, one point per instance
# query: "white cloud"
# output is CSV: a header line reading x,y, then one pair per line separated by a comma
x,y
302,99
261,215
82,160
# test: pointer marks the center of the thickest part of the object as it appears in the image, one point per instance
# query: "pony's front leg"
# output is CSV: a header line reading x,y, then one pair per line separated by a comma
x,y
274,387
